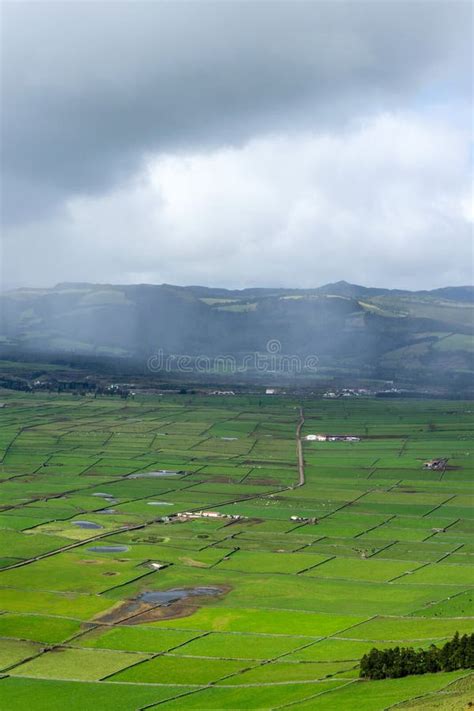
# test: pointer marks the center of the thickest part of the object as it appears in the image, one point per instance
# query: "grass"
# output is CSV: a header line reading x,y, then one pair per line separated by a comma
x,y
264,697
49,630
377,696
173,670
135,639
292,672
76,664
264,621
242,646
386,561
414,628
13,651
457,695
19,694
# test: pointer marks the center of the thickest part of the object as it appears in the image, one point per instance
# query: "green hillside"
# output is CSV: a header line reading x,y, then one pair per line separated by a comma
x,y
352,329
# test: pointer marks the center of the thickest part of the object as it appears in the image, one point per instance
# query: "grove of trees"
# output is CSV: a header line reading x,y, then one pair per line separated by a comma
x,y
457,653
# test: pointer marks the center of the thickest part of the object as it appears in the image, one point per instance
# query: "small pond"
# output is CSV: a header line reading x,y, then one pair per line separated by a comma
x,y
152,475
166,597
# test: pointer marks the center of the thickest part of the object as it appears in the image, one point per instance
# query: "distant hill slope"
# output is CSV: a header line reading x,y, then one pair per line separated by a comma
x,y
350,328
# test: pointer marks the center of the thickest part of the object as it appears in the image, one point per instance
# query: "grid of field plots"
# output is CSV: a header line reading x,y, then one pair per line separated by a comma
x,y
261,594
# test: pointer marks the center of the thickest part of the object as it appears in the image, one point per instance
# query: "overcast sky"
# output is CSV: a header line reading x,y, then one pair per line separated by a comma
x,y
237,143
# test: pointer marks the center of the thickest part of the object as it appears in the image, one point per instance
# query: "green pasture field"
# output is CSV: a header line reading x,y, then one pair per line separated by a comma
x,y
282,608
76,664
138,638
251,697
38,628
19,693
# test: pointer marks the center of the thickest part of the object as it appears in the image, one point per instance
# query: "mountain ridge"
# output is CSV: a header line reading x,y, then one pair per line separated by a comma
x,y
347,326
461,292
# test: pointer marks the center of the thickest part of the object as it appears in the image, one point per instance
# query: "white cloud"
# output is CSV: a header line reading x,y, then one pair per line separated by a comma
x,y
382,202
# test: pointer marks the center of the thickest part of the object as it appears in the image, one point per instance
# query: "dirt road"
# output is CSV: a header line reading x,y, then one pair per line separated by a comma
x,y
299,450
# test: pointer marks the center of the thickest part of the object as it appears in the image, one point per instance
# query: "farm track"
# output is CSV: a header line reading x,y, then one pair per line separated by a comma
x,y
299,451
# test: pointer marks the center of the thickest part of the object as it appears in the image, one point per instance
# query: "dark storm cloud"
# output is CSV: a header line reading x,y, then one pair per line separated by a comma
x,y
88,89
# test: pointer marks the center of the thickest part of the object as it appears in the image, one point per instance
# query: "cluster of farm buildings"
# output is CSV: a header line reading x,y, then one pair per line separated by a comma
x,y
331,438
303,519
189,515
346,392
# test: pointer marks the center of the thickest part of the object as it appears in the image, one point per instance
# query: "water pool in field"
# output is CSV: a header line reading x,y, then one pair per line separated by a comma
x,y
86,524
166,597
152,475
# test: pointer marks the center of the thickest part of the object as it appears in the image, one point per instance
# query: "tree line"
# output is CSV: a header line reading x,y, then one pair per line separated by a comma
x,y
457,653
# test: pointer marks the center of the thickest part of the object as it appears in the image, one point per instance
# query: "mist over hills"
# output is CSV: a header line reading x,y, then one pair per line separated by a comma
x,y
350,328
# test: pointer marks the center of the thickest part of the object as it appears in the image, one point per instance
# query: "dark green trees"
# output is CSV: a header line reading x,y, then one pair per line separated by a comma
x,y
458,653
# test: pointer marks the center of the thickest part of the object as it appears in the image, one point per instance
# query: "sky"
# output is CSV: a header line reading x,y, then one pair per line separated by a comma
x,y
237,144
